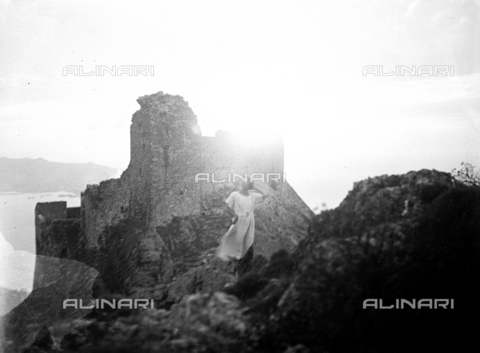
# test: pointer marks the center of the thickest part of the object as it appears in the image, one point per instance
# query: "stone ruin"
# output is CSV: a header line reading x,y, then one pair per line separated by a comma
x,y
152,233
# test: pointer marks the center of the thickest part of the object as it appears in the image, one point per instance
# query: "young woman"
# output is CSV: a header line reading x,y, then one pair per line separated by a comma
x,y
239,237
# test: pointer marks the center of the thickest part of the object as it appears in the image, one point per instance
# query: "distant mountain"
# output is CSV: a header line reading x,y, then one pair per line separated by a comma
x,y
40,175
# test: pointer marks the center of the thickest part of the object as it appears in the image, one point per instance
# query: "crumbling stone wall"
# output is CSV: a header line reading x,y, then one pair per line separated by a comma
x,y
45,213
146,230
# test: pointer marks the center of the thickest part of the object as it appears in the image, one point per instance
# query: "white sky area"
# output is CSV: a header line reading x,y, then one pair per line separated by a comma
x,y
256,66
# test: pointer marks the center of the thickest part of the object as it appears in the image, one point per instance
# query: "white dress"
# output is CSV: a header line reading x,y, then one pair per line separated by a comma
x,y
239,237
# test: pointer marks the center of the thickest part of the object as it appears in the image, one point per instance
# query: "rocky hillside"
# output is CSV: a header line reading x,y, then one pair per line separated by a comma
x,y
40,175
55,281
413,236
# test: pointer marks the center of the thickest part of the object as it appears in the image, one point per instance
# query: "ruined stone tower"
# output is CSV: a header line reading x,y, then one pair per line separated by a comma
x,y
152,232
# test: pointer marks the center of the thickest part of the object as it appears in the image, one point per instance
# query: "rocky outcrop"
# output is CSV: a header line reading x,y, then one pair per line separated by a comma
x,y
413,236
210,322
55,280
372,246
152,232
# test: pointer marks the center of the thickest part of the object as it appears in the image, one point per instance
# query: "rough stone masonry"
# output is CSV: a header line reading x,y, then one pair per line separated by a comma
x,y
152,232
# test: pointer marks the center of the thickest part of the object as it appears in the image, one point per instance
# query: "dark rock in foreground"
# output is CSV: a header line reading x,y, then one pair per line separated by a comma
x,y
55,280
411,236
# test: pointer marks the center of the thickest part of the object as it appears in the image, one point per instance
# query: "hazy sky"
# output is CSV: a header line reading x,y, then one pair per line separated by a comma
x,y
294,66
